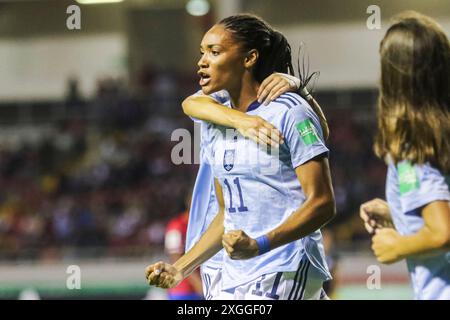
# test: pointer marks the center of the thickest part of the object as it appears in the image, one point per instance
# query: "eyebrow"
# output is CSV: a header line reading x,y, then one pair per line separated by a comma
x,y
209,46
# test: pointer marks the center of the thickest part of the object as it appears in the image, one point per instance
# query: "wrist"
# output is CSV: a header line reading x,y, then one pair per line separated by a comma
x,y
239,119
402,247
263,244
182,269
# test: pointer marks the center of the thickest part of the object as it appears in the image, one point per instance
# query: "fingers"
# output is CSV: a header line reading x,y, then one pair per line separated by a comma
x,y
270,136
251,134
275,134
367,212
254,135
166,280
380,201
363,213
261,131
265,137
158,267
368,223
373,209
374,205
152,268
228,248
153,279
265,87
157,275
272,87
229,241
369,228
148,270
276,91
230,238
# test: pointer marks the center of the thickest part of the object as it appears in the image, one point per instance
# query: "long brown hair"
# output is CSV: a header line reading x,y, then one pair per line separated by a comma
x,y
413,105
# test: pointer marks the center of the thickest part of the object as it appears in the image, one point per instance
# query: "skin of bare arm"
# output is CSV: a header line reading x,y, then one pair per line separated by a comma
x,y
165,275
207,109
194,279
254,127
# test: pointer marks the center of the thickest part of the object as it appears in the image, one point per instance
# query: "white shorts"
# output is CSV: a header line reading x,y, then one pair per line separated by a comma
x,y
303,284
211,282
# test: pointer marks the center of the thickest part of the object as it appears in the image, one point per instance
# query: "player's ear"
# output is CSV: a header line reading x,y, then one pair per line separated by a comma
x,y
251,58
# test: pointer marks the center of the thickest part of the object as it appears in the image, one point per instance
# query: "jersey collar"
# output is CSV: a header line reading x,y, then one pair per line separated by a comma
x,y
253,106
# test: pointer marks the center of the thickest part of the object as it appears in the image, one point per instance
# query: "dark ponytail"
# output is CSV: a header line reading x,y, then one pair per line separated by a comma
x,y
279,58
305,78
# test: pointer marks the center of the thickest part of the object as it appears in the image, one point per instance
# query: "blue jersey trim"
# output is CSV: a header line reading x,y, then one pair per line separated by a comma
x,y
278,100
290,99
293,96
253,106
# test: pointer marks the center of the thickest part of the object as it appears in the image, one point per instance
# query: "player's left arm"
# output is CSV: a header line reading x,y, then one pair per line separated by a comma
x,y
194,278
389,246
316,211
166,275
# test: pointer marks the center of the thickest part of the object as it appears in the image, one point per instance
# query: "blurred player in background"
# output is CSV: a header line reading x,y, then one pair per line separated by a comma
x,y
175,239
414,139
286,259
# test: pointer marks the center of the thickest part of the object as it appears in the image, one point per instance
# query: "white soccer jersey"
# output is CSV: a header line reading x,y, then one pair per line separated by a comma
x,y
260,186
204,203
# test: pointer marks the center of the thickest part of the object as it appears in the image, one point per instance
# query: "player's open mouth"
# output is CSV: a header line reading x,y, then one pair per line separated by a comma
x,y
204,78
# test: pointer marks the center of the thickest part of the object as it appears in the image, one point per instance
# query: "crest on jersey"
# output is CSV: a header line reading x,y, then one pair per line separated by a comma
x,y
228,159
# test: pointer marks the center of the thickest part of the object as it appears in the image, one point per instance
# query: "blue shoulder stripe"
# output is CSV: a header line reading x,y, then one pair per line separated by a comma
x,y
293,96
294,102
278,100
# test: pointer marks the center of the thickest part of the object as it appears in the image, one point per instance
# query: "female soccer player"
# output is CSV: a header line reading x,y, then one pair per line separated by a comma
x,y
208,108
271,202
414,138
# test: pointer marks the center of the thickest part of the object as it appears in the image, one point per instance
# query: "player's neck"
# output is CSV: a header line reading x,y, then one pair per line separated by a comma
x,y
242,97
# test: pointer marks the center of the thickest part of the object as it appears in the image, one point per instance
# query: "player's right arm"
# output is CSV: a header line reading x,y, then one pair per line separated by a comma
x,y
165,275
390,246
206,108
376,215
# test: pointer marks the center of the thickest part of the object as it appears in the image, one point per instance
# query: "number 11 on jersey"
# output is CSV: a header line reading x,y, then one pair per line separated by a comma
x,y
242,207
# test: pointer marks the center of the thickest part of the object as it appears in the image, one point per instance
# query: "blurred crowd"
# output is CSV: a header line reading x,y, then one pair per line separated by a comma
x,y
105,184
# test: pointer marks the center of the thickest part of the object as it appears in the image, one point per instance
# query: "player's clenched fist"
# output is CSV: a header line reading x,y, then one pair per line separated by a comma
x,y
385,245
163,275
239,245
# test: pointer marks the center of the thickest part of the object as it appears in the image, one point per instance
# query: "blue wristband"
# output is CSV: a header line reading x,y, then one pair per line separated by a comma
x,y
263,244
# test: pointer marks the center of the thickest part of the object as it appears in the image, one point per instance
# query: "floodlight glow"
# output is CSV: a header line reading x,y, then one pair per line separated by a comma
x,y
197,7
97,1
